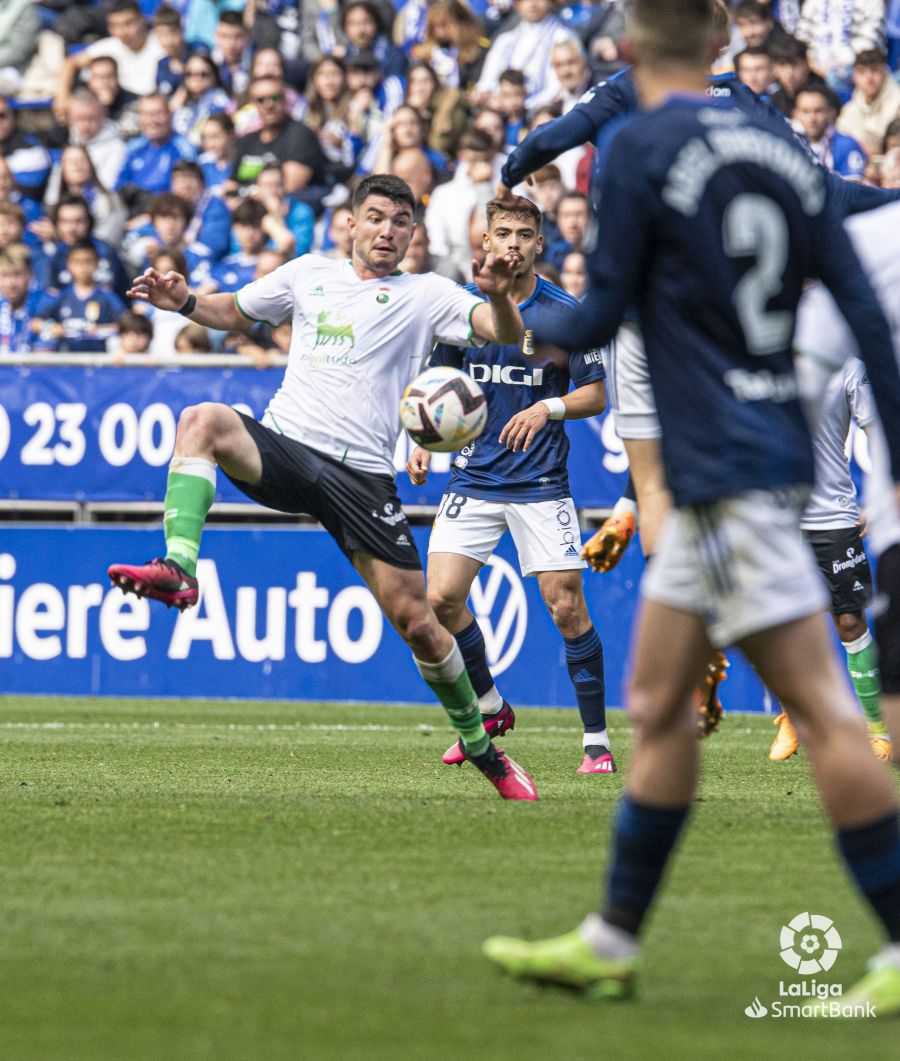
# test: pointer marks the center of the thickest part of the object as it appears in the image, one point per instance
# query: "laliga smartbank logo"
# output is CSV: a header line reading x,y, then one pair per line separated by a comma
x,y
809,944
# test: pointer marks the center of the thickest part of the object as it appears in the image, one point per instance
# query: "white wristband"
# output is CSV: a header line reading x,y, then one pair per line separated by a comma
x,y
556,406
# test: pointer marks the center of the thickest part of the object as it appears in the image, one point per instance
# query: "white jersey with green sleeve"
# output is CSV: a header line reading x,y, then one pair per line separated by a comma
x,y
832,504
356,345
823,335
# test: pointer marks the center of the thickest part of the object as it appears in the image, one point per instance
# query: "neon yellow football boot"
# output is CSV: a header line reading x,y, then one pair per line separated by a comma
x,y
565,960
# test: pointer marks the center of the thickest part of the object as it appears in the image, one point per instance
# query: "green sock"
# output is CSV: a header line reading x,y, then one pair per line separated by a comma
x,y
190,491
451,685
862,662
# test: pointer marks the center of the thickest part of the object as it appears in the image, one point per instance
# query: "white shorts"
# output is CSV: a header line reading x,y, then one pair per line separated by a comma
x,y
740,563
545,532
628,386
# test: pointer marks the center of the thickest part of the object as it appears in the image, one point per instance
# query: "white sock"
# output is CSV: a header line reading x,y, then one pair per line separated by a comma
x,y
491,702
198,466
592,739
607,941
445,671
863,641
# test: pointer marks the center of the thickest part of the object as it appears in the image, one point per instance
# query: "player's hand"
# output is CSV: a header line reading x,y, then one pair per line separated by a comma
x,y
520,430
417,466
169,291
496,275
605,548
862,524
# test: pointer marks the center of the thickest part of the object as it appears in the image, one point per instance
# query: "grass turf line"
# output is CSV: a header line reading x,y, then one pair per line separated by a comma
x,y
231,880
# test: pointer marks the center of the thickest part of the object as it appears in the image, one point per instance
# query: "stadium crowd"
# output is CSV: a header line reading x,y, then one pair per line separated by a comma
x,y
221,139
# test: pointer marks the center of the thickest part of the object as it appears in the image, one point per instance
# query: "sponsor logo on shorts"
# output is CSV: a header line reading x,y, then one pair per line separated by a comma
x,y
858,587
390,517
854,559
567,533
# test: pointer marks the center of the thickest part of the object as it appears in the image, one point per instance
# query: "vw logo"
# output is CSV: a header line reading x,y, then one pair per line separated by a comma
x,y
499,604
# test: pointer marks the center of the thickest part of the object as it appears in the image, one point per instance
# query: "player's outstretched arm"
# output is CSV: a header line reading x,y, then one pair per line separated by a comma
x,y
170,291
418,465
498,320
585,401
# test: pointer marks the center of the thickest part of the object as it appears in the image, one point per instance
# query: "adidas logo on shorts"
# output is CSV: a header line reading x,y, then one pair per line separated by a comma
x,y
572,551
857,586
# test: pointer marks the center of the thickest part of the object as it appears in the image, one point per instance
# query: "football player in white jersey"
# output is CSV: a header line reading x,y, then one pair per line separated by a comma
x,y
824,341
361,330
830,523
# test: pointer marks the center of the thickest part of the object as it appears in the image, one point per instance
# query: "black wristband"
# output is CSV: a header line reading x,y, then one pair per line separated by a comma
x,y
188,308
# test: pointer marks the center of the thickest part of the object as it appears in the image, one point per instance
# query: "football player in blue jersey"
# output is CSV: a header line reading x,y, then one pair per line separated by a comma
x,y
713,222
513,477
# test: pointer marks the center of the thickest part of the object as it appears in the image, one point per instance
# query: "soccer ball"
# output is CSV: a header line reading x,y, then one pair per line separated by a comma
x,y
443,409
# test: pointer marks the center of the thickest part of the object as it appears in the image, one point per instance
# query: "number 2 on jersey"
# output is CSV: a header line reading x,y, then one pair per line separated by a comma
x,y
755,226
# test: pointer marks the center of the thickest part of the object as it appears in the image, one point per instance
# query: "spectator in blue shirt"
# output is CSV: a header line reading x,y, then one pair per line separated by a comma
x,y
82,316
170,217
72,223
26,157
148,164
217,160
211,223
254,230
18,300
200,96
572,218
364,31
815,110
170,34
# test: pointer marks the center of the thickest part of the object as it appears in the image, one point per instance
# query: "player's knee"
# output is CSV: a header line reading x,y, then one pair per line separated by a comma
x,y
569,612
652,713
418,629
850,626
200,423
446,603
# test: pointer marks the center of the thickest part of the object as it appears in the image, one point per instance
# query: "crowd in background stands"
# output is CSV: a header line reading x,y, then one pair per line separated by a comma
x,y
220,138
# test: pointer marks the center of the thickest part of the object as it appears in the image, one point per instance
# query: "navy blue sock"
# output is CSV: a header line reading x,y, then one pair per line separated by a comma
x,y
643,839
474,654
584,659
872,853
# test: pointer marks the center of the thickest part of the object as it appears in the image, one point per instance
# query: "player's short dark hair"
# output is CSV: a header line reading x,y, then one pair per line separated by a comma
x,y
516,206
232,18
166,15
512,77
185,165
673,31
752,9
82,245
135,322
166,204
786,50
391,187
122,7
250,212
870,57
828,94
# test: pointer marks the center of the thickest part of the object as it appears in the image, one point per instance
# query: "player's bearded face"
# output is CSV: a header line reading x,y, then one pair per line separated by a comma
x,y
381,231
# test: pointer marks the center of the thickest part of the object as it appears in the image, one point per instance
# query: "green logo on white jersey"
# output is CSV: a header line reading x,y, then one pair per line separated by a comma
x,y
334,329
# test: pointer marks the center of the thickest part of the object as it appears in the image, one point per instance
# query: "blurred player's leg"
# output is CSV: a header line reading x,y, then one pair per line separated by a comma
x,y
672,649
208,435
450,577
401,594
564,596
887,634
797,663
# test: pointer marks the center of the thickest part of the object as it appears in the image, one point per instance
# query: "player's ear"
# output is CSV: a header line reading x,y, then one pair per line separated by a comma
x,y
486,241
539,243
626,50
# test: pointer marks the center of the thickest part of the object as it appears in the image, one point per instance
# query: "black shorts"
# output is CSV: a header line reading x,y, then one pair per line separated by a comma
x,y
360,510
842,560
887,619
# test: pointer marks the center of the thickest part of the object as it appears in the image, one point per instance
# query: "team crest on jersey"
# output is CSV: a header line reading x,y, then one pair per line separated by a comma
x,y
334,329
383,295
528,343
317,291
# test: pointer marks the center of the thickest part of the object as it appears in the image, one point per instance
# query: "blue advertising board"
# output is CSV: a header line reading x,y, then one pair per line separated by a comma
x,y
71,433
282,615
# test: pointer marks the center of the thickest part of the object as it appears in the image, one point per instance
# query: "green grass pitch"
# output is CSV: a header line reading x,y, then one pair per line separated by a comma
x,y
264,881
